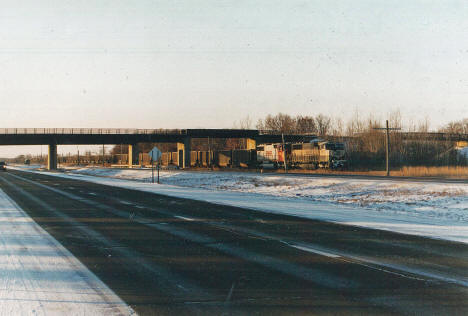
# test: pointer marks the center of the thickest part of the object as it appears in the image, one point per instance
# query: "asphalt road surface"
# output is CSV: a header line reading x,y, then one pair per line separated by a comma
x,y
165,255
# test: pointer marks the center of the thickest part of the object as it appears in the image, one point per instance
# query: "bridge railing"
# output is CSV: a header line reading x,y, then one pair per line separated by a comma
x,y
89,131
278,132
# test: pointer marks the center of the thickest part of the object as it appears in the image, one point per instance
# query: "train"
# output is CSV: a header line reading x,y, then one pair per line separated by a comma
x,y
313,154
308,155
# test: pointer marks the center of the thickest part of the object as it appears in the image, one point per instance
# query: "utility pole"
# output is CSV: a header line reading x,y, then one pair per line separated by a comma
x,y
209,152
387,145
387,149
103,155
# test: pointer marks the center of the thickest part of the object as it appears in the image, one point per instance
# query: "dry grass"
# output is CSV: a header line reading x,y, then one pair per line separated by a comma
x,y
438,172
445,172
421,171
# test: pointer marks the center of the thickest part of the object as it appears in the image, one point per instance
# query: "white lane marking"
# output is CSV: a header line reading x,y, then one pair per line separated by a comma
x,y
91,193
371,264
181,287
322,253
185,218
125,202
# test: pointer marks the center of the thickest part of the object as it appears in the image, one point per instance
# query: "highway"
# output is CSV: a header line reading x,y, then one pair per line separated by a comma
x,y
165,255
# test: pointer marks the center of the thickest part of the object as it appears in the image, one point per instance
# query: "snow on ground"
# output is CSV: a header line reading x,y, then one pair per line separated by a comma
x,y
438,210
38,276
448,201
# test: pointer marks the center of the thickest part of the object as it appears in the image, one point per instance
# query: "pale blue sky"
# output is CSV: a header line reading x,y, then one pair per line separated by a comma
x,y
207,63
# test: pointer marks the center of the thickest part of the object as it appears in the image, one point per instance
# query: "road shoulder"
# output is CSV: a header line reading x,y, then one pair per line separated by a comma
x,y
40,276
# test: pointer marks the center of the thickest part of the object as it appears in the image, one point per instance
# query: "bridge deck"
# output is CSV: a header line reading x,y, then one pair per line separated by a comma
x,y
91,136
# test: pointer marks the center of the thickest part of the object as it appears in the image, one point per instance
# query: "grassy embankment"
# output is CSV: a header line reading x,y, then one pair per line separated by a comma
x,y
420,171
446,172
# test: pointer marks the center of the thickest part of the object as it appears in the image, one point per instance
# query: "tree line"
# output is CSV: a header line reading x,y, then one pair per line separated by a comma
x,y
365,143
456,127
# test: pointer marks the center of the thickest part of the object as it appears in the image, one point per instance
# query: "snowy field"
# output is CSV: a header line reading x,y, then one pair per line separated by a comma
x,y
437,210
38,276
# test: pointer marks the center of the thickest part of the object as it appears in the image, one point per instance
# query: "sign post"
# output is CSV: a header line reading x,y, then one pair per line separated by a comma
x,y
155,154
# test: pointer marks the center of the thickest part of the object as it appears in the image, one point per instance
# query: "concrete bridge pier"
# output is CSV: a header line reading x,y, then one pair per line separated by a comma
x,y
52,158
183,150
251,143
132,154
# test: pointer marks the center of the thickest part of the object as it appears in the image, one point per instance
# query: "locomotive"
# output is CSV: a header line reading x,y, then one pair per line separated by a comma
x,y
312,155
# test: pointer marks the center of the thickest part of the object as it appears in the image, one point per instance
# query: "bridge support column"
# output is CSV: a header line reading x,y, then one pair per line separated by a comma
x,y
133,152
130,156
52,158
183,150
136,154
250,143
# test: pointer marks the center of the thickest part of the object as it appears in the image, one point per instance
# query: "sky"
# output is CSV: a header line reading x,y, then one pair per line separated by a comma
x,y
210,63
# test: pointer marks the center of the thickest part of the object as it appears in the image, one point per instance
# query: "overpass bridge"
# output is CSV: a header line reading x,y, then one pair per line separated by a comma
x,y
416,136
434,136
99,136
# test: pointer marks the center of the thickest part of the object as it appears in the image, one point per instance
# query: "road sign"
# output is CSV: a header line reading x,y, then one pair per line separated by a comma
x,y
155,154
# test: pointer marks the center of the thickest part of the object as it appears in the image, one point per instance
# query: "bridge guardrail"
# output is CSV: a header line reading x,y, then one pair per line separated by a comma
x,y
89,131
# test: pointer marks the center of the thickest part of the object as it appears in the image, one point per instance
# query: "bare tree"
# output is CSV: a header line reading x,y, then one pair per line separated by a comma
x,y
260,125
423,126
323,124
281,122
395,119
338,127
355,125
458,127
244,123
305,125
